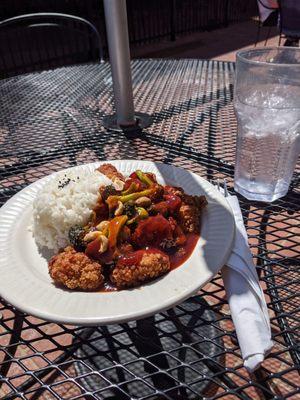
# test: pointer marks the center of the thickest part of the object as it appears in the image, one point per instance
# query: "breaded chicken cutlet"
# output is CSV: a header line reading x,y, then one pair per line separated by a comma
x,y
111,172
144,266
75,270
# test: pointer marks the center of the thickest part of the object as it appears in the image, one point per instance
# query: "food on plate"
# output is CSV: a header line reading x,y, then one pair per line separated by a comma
x,y
113,232
139,266
189,213
75,270
112,173
65,201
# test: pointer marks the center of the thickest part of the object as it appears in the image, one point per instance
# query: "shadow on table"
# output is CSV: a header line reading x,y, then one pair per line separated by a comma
x,y
168,350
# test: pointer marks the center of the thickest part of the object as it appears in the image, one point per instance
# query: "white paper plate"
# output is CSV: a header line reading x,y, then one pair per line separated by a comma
x,y
25,282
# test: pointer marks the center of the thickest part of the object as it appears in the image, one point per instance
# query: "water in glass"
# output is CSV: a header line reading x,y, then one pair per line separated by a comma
x,y
268,145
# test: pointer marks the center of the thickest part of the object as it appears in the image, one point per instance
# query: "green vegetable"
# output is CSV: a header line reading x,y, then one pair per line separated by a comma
x,y
113,200
144,178
108,191
129,209
132,188
142,213
76,235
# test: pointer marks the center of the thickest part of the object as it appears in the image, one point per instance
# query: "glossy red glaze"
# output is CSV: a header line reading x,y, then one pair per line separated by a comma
x,y
180,256
170,205
92,250
101,212
135,257
173,201
133,175
134,178
176,259
152,231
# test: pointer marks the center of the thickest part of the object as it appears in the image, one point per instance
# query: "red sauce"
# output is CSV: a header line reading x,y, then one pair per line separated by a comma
x,y
152,231
136,257
176,259
180,256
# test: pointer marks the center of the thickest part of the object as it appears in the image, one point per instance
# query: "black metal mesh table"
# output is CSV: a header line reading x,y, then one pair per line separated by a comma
x,y
52,120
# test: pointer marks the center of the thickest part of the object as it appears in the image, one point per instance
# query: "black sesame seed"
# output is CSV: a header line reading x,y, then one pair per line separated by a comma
x,y
64,182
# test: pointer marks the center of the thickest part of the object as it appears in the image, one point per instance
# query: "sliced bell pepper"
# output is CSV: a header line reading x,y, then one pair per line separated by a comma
x,y
114,229
141,214
113,200
144,178
132,188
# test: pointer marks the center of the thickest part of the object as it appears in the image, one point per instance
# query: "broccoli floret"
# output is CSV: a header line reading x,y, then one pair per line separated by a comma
x,y
76,235
129,209
108,191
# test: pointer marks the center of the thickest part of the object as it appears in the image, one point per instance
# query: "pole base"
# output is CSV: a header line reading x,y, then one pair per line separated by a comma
x,y
142,121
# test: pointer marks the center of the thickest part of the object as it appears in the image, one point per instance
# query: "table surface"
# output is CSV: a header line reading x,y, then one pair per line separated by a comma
x,y
52,120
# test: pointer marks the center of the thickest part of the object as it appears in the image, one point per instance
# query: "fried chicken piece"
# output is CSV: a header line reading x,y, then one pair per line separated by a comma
x,y
189,214
158,192
197,201
177,191
169,206
111,172
189,218
75,270
140,266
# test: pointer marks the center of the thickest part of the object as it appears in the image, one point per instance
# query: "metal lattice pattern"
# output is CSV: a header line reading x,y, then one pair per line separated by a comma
x,y
52,120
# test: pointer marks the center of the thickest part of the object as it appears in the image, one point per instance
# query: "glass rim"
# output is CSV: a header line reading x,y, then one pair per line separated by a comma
x,y
241,56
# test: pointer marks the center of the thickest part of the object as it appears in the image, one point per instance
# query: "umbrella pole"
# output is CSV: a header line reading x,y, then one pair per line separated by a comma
x,y
119,54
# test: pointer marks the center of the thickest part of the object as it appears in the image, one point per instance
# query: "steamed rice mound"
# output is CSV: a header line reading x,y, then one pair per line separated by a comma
x,y
66,200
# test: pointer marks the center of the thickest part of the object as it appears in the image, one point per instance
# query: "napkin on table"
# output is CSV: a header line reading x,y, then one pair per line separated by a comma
x,y
245,297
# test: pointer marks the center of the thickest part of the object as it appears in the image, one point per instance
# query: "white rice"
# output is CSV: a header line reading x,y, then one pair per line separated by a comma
x,y
66,200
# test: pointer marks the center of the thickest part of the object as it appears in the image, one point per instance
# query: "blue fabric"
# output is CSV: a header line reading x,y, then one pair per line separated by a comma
x,y
290,17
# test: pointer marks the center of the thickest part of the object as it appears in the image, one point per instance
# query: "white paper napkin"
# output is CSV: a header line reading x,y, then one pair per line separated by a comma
x,y
245,297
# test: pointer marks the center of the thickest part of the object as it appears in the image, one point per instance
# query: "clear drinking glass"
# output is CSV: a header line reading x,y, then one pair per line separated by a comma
x,y
267,106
